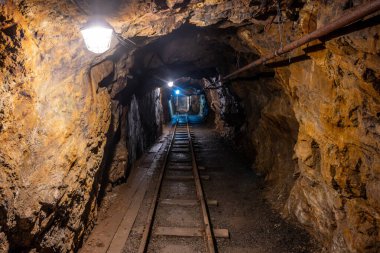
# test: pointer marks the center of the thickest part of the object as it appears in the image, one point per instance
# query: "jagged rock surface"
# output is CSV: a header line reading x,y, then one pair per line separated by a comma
x,y
335,98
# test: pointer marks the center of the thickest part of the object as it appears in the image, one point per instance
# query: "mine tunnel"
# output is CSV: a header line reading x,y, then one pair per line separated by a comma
x,y
183,126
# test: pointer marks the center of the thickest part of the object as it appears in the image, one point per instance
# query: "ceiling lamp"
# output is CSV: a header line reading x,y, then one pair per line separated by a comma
x,y
97,35
170,84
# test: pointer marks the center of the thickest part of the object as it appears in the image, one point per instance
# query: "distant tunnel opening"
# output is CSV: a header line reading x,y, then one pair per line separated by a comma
x,y
187,102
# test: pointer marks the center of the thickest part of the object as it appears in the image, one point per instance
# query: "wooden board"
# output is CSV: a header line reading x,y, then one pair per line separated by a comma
x,y
155,148
185,145
187,202
212,202
180,169
181,165
204,177
180,161
174,164
180,150
179,202
122,233
103,234
180,178
189,232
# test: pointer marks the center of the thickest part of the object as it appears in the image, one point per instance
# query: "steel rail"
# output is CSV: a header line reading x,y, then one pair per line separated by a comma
x,y
208,232
154,203
348,17
209,236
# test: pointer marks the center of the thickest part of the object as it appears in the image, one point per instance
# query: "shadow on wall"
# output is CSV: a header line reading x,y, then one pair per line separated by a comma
x,y
227,112
270,134
139,125
257,116
144,123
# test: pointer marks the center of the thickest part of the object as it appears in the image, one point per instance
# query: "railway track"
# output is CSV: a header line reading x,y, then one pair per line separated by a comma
x,y
163,208
181,160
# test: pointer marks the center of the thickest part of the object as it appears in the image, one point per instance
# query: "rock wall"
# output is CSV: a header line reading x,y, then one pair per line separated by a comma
x,y
51,148
227,113
269,135
140,124
136,118
332,91
63,125
144,122
338,154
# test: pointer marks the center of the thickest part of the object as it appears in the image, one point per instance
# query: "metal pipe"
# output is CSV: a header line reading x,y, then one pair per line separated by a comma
x,y
347,18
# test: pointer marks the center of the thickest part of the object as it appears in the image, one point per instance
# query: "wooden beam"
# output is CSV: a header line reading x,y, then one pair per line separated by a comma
x,y
204,177
187,202
181,150
180,169
189,232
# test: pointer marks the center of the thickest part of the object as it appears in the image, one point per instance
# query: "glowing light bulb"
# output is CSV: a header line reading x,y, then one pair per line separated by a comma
x,y
177,92
170,84
97,35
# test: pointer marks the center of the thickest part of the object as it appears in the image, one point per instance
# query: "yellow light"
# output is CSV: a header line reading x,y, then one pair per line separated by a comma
x,y
97,36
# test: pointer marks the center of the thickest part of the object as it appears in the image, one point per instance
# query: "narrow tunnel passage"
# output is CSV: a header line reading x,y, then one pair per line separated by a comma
x,y
236,203
275,104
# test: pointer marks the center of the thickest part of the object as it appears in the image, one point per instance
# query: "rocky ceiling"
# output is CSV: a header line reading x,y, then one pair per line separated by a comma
x,y
187,52
55,24
131,17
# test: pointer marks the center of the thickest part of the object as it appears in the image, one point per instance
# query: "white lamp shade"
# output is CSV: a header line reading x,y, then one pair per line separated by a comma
x,y
97,38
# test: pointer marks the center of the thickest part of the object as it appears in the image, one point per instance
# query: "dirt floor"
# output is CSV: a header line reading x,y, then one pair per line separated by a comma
x,y
254,227
242,209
